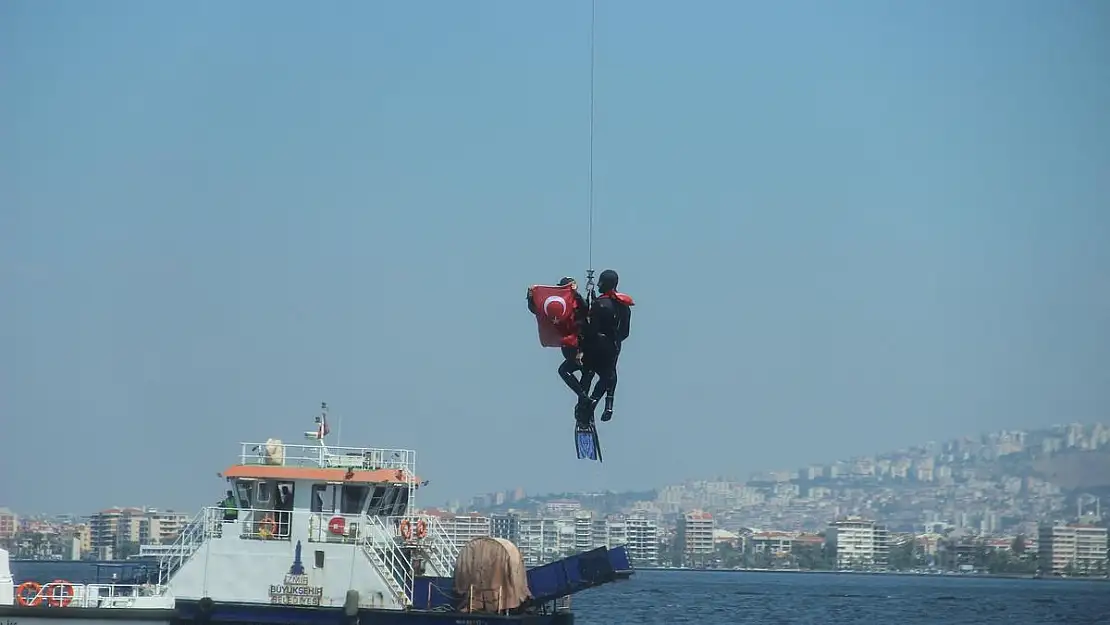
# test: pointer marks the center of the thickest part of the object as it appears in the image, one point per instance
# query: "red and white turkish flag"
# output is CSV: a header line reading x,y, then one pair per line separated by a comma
x,y
555,306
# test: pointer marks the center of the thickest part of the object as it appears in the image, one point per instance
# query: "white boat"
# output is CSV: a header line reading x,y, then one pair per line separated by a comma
x,y
305,526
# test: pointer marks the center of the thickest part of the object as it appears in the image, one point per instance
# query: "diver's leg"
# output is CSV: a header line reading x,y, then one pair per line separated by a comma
x,y
583,410
602,385
587,382
610,390
606,381
566,371
603,363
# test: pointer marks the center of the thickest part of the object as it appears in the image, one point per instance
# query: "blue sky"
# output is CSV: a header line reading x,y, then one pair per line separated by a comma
x,y
849,227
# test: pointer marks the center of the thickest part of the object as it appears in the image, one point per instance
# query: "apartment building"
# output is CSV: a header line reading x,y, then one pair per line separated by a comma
x,y
600,529
111,528
1077,549
773,543
858,543
642,541
542,540
611,532
463,528
695,532
562,508
583,531
9,523
161,527
505,526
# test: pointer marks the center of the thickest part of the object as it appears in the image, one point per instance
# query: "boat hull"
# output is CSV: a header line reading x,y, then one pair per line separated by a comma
x,y
189,612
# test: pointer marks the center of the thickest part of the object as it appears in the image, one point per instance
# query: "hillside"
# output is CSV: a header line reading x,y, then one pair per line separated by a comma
x,y
1075,470
992,480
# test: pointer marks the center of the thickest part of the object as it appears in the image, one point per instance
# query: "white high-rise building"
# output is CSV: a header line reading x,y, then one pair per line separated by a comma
x,y
1072,549
616,533
463,528
540,540
859,543
583,531
642,541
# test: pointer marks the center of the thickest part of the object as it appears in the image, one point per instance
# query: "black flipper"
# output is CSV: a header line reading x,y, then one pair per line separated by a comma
x,y
586,442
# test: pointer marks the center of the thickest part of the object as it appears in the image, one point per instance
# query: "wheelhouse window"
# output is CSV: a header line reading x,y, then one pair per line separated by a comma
x,y
401,503
323,498
244,491
386,507
264,492
285,493
352,500
376,501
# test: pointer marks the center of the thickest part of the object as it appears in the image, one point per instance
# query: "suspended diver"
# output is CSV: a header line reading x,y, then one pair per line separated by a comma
x,y
609,323
561,317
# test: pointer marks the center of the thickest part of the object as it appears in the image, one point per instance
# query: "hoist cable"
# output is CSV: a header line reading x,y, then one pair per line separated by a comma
x,y
590,183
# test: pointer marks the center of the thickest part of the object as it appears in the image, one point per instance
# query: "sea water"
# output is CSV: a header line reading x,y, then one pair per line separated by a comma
x,y
727,598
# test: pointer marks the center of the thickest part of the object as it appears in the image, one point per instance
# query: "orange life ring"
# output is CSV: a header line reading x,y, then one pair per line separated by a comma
x,y
421,528
32,598
406,529
267,527
55,599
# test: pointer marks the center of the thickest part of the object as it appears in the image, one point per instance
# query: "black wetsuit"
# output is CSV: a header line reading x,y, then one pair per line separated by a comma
x,y
570,354
609,326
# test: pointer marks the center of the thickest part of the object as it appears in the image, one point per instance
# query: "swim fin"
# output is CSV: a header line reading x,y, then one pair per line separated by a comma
x,y
586,442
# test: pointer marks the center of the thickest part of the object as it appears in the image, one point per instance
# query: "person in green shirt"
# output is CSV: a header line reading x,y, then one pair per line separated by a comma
x,y
231,509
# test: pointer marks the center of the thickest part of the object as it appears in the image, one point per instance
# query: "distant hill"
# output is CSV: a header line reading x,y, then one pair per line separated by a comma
x,y
1053,454
1075,470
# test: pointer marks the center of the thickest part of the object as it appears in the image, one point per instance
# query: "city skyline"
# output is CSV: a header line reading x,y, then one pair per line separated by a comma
x,y
693,538
914,461
968,504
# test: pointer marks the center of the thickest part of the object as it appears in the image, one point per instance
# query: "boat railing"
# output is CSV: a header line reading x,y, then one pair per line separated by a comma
x,y
275,453
249,523
64,594
380,544
191,537
257,524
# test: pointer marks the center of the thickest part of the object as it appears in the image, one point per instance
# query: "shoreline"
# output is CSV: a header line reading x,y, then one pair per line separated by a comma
x,y
949,574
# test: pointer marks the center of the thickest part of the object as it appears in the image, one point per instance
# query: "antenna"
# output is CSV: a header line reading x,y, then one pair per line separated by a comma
x,y
322,428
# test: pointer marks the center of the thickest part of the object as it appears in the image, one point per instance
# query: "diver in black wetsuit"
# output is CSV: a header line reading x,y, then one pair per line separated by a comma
x,y
609,321
572,356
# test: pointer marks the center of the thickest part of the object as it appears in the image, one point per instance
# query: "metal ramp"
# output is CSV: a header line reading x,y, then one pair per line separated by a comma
x,y
547,583
579,572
